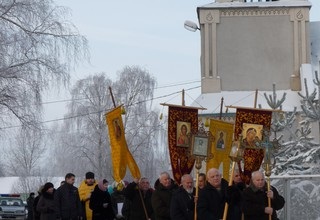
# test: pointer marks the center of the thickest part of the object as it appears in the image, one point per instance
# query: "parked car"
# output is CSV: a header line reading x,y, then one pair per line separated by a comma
x,y
12,207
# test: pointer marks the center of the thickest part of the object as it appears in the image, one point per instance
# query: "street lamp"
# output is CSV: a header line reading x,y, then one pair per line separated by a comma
x,y
191,26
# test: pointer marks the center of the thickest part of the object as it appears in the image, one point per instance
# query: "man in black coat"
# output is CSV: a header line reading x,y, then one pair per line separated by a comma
x,y
182,202
161,197
139,194
212,197
30,201
234,197
255,199
67,200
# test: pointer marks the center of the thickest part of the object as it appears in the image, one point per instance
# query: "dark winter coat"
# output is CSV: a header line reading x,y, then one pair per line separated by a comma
x,y
46,206
30,202
98,198
136,212
36,214
211,202
234,200
182,205
161,199
255,201
67,202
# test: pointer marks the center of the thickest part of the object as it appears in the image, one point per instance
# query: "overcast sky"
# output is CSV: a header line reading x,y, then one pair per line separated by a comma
x,y
145,33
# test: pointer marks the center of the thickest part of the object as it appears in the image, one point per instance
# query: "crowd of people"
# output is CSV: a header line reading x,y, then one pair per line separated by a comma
x,y
94,200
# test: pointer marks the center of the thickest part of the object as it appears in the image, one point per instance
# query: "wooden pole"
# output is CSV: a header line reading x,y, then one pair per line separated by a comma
x,y
268,187
221,106
114,103
226,206
196,195
255,99
142,201
183,102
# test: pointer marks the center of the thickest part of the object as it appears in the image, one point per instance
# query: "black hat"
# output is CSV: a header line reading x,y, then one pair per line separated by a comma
x,y
47,186
89,175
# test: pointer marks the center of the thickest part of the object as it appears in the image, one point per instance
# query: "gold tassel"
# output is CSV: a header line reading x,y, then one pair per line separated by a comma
x,y
123,110
161,116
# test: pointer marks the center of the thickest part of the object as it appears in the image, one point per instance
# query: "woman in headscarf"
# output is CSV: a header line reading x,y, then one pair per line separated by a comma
x,y
100,202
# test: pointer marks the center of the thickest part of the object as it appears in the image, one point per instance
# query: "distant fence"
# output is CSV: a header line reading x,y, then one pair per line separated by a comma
x,y
302,196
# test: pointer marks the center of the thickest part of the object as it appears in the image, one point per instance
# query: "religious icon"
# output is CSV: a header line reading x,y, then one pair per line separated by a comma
x,y
200,146
252,134
117,127
220,143
183,134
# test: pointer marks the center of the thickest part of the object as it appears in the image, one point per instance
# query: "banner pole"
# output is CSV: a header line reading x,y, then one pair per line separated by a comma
x,y
112,97
197,195
226,206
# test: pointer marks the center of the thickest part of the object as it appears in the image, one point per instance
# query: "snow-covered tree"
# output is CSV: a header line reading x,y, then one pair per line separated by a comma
x,y
134,87
297,153
38,46
25,153
82,143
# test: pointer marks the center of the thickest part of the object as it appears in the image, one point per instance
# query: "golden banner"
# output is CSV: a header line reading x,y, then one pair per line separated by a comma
x,y
221,146
120,154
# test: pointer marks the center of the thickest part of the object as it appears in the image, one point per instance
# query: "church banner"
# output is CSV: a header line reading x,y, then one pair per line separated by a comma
x,y
251,123
182,123
221,146
120,154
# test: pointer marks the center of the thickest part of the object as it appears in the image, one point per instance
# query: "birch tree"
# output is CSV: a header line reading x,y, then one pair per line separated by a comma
x,y
134,88
90,101
25,152
84,144
38,47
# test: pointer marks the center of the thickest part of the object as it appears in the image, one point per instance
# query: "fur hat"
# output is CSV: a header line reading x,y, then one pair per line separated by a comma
x,y
47,186
89,175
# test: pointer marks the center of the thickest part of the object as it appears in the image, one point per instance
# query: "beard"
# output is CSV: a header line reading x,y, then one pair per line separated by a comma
x,y
190,190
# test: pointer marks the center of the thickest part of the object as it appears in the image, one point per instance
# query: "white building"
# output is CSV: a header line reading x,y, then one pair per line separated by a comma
x,y
249,46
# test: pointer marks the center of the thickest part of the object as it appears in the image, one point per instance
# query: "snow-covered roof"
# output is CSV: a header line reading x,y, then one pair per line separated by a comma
x,y
237,4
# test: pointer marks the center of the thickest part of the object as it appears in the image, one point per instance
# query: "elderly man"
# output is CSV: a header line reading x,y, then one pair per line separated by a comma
x,y
182,202
255,199
139,194
161,197
212,197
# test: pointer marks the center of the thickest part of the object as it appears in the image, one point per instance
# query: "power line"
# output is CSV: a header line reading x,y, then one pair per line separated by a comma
x,y
96,112
159,87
